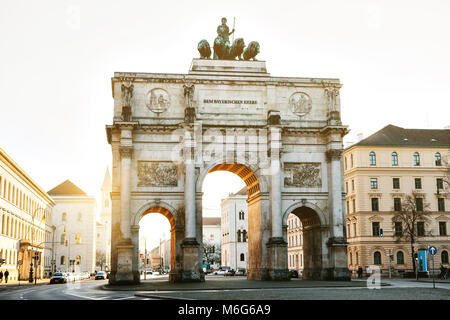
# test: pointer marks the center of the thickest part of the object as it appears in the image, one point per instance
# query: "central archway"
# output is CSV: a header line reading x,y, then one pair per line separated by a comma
x,y
258,224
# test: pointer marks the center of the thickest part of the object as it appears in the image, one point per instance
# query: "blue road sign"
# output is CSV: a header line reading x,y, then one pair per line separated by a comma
x,y
432,250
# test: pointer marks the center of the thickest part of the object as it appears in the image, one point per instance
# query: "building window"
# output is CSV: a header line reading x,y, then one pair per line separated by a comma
x,y
244,236
80,217
396,183
351,258
348,206
78,238
357,258
375,228
416,159
345,163
441,204
418,183
394,159
351,160
400,258
239,236
242,257
397,204
442,228
346,187
444,257
354,205
437,159
64,217
440,183
348,230
78,260
353,185
354,229
373,183
63,260
375,206
377,258
419,204
372,159
241,215
398,228
420,229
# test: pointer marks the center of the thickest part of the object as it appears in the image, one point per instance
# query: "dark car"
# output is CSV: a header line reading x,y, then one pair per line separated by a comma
x,y
101,275
293,273
229,272
240,272
58,277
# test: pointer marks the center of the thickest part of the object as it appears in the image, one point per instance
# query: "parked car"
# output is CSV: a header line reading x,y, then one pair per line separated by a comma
x,y
58,277
149,271
101,275
70,276
240,272
293,273
222,270
229,272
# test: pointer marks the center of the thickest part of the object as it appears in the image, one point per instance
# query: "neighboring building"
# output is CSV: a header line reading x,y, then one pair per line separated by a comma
x,y
379,172
295,243
25,222
103,238
160,256
234,230
74,217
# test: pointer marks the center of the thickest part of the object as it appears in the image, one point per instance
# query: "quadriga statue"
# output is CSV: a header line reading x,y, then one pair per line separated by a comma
x,y
251,51
204,49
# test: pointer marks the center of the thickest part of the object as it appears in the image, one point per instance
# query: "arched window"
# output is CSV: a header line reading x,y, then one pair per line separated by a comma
x,y
63,260
372,158
444,257
64,217
376,257
394,158
400,257
416,159
242,257
239,236
437,159
78,260
244,236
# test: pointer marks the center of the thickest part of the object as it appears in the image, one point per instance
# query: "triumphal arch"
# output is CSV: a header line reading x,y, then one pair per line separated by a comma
x,y
281,135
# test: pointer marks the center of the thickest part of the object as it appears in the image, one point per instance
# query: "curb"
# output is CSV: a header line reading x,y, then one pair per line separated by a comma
x,y
160,297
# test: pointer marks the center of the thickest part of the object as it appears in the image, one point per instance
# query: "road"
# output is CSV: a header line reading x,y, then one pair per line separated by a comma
x,y
91,290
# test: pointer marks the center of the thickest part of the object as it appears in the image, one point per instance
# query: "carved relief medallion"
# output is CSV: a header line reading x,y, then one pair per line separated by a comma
x,y
302,175
157,100
300,103
157,174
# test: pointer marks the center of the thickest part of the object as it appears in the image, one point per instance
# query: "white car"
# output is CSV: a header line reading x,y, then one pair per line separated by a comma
x,y
222,271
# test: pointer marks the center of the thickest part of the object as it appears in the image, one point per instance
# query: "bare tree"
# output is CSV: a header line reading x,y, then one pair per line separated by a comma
x,y
211,252
413,209
446,179
100,258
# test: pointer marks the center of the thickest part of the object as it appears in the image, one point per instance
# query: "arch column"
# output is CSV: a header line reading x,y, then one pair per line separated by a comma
x,y
337,243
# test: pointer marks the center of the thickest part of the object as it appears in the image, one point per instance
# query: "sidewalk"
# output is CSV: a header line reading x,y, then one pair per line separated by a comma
x,y
23,283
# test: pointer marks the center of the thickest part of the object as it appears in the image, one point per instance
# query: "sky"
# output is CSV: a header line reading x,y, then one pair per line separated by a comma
x,y
58,57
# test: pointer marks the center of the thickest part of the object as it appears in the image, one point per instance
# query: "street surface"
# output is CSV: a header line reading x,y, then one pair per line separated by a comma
x,y
400,289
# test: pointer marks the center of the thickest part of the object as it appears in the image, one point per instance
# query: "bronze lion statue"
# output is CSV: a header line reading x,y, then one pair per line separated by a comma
x,y
221,49
236,49
204,49
251,51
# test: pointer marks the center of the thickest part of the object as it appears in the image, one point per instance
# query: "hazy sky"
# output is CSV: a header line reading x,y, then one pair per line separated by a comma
x,y
58,57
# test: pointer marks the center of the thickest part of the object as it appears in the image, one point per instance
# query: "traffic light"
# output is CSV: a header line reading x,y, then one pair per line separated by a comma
x,y
148,261
381,233
416,256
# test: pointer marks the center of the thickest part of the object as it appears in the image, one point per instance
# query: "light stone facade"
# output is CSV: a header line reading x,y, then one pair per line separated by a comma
x,y
74,218
25,222
370,169
295,243
234,247
274,132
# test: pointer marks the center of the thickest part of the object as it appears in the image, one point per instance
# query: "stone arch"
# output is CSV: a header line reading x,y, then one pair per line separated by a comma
x,y
176,234
256,183
307,204
249,173
313,227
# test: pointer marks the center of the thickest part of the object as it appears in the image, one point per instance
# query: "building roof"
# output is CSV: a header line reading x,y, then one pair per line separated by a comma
x,y
211,221
400,137
242,192
67,188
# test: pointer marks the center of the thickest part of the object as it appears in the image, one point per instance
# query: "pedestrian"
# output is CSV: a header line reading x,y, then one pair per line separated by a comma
x,y
6,276
1,276
360,272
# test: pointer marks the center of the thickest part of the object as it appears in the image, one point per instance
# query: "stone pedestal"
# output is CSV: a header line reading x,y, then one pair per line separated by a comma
x,y
278,266
125,273
191,270
338,270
